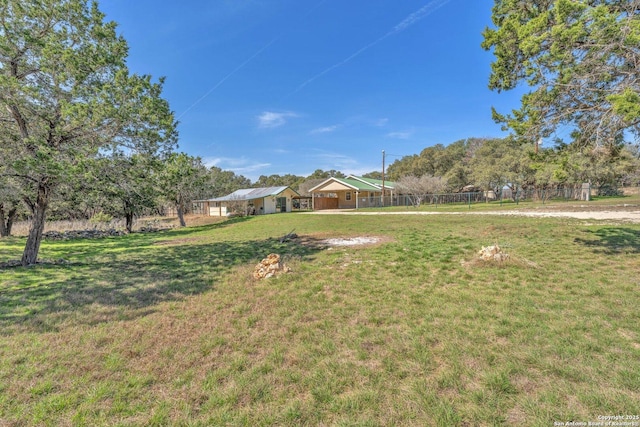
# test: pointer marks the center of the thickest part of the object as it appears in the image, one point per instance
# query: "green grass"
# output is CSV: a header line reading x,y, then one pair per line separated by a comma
x,y
170,329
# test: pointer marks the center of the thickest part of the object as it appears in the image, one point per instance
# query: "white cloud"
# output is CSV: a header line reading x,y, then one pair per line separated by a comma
x,y
238,165
400,135
336,161
326,129
327,160
381,122
270,119
211,161
249,168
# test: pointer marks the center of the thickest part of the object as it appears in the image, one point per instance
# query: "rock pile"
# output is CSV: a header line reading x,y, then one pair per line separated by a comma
x,y
82,234
145,229
95,233
269,267
493,253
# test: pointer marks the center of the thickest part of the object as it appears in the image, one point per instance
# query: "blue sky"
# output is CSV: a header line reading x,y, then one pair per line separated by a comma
x,y
265,87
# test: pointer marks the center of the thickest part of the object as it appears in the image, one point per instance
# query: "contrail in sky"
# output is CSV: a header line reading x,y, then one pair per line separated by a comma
x,y
410,20
241,66
225,78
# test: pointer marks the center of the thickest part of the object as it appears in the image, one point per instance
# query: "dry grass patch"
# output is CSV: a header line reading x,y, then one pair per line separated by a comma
x,y
512,261
171,328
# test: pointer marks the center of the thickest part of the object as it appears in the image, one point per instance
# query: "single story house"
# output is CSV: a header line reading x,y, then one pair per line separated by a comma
x,y
352,192
250,201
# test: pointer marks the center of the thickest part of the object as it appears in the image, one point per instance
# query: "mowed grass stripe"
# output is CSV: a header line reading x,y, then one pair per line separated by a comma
x,y
170,328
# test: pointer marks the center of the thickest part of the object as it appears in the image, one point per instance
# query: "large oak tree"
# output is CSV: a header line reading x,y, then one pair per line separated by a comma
x,y
65,95
580,59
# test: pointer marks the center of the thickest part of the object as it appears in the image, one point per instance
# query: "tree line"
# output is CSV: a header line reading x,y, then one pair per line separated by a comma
x,y
81,134
126,186
496,163
579,61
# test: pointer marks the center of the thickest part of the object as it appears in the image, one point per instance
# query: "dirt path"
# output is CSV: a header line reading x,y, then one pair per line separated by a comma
x,y
622,215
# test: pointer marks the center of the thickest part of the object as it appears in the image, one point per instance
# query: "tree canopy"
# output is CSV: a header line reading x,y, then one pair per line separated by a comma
x,y
131,182
419,187
492,163
183,179
287,180
223,182
66,94
580,60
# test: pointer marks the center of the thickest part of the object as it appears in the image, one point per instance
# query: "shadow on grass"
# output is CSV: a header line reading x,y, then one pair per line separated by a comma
x,y
613,241
11,247
207,227
126,279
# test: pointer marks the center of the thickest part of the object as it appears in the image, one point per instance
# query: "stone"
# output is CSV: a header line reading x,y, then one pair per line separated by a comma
x,y
269,267
82,234
493,253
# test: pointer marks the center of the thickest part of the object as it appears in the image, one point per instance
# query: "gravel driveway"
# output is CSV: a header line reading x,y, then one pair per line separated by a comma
x,y
625,214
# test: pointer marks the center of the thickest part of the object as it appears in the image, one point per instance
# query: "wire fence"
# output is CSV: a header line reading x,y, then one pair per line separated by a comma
x,y
583,192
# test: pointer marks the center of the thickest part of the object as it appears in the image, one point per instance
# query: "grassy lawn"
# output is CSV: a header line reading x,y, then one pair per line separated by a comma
x,y
170,328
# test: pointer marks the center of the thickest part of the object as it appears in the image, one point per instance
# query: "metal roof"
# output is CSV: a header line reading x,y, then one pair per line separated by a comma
x,y
374,182
250,194
356,183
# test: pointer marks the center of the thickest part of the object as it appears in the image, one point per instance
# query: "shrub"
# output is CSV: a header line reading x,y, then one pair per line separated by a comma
x,y
100,218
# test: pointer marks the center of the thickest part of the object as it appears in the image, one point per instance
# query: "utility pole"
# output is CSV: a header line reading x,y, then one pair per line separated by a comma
x,y
382,178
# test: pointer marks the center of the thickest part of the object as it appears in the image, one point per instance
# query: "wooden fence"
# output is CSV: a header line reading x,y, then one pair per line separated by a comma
x,y
321,203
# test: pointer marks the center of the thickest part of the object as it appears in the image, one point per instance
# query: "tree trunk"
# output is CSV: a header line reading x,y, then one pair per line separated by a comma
x,y
3,227
180,210
7,224
39,210
129,221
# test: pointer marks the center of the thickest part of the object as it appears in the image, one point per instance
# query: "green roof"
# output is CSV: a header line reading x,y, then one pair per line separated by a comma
x,y
360,184
374,182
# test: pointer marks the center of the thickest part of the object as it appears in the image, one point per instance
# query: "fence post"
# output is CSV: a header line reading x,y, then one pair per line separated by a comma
x,y
469,199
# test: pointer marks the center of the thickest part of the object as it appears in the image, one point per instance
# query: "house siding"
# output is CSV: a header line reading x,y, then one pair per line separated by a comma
x,y
217,210
269,205
259,205
343,203
364,192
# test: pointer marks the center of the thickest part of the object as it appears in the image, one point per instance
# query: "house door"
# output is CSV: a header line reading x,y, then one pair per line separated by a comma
x,y
281,204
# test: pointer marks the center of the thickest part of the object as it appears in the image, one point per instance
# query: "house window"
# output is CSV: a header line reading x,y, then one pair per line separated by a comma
x,y
347,196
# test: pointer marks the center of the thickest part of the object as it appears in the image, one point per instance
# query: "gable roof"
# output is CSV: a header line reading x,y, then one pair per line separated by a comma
x,y
252,194
374,182
354,183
